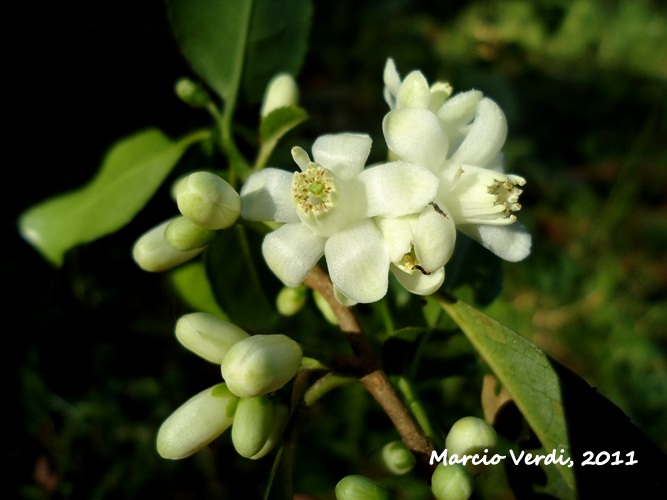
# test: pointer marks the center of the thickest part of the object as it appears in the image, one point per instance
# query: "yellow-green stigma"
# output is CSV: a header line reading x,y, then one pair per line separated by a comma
x,y
312,190
410,264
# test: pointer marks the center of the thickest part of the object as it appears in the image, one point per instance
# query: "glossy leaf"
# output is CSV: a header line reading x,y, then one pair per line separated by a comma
x,y
280,121
278,41
524,369
131,172
219,37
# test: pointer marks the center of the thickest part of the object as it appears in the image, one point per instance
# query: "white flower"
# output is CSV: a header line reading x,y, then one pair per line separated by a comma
x,y
327,208
460,140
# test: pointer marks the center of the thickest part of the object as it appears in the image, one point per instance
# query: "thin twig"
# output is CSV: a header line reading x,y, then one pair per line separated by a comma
x,y
373,377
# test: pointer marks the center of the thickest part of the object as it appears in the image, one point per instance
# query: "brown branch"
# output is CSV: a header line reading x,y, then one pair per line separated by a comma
x,y
373,377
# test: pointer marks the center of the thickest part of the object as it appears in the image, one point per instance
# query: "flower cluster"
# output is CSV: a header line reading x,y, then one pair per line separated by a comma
x,y
445,174
252,367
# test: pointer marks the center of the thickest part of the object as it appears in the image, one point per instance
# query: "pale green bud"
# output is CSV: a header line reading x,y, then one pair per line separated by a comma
x,y
281,415
325,308
252,425
356,487
192,93
183,234
197,422
290,300
207,335
260,364
281,91
208,200
152,252
470,436
397,458
451,482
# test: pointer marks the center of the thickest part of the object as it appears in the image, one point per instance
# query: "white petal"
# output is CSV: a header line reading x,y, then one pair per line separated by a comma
x,y
266,195
343,154
392,82
397,232
358,263
511,243
397,188
340,297
460,109
419,283
291,251
435,236
416,135
486,136
414,92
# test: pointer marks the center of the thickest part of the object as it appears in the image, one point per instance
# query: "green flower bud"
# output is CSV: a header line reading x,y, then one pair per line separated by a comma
x,y
280,92
451,482
290,300
152,252
470,436
183,234
192,93
208,200
260,364
397,458
253,421
325,308
356,487
207,335
197,422
281,415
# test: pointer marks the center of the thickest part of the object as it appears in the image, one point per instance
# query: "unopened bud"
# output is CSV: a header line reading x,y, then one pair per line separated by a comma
x,y
356,487
290,300
183,234
208,200
197,422
280,418
252,425
152,252
260,364
192,93
471,436
397,458
207,335
281,91
451,482
325,308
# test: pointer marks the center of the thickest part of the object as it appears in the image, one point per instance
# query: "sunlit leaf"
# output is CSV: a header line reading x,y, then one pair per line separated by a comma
x,y
280,121
525,370
131,172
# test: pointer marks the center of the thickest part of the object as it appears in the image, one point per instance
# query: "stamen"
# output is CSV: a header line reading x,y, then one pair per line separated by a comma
x,y
312,189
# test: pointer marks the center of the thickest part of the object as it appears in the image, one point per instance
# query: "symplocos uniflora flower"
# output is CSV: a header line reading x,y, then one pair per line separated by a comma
x,y
328,208
459,139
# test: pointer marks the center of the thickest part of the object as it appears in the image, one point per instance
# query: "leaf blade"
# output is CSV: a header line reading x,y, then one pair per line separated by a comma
x,y
131,172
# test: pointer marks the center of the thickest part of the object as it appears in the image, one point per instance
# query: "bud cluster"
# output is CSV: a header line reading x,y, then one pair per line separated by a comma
x,y
253,367
207,203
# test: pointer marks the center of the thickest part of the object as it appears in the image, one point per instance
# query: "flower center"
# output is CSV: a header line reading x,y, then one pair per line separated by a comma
x,y
410,264
313,190
507,193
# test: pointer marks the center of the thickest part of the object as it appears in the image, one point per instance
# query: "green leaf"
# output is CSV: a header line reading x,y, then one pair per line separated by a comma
x,y
277,42
240,287
275,125
212,35
131,172
219,37
192,284
280,121
525,370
